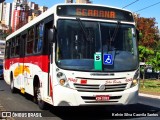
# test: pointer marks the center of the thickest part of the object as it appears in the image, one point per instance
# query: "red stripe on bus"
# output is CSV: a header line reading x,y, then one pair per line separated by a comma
x,y
41,61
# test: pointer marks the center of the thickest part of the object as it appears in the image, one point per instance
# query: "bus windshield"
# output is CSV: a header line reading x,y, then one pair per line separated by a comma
x,y
78,41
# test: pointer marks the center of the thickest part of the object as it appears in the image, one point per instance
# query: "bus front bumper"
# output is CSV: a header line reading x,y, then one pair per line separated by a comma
x,y
69,97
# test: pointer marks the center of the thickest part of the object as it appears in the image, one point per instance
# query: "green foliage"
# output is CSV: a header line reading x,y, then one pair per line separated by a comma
x,y
155,61
150,57
157,46
144,53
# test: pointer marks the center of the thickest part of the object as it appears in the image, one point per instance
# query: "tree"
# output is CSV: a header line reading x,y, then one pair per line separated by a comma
x,y
144,56
148,31
155,61
150,38
150,57
145,53
157,47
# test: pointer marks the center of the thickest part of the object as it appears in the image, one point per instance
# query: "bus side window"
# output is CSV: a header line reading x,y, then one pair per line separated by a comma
x,y
38,43
7,50
30,41
13,47
17,46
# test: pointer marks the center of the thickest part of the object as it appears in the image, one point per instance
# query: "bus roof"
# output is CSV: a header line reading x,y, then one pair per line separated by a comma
x,y
50,12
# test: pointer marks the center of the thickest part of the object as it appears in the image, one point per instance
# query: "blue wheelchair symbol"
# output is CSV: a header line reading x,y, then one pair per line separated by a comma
x,y
107,59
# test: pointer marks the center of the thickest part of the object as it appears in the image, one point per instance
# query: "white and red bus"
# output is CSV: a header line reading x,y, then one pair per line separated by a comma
x,y
75,54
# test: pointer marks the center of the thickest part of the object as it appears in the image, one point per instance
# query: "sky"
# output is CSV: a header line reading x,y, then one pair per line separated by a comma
x,y
150,12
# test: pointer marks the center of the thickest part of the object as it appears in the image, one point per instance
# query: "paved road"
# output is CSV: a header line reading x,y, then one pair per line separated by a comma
x,y
18,102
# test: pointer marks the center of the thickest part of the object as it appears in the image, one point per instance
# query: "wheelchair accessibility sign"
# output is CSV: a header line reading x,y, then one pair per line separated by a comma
x,y
107,59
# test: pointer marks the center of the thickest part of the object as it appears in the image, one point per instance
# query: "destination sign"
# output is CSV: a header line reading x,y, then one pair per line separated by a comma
x,y
96,12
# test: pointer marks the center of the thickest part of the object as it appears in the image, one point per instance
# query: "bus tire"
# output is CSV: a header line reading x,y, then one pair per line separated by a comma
x,y
13,89
38,97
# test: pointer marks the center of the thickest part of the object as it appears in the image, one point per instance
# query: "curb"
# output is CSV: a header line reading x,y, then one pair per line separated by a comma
x,y
147,95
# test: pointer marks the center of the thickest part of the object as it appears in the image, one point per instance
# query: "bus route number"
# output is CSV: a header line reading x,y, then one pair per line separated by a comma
x,y
98,57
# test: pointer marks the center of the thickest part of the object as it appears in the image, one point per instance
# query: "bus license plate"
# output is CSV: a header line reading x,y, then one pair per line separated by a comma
x,y
102,97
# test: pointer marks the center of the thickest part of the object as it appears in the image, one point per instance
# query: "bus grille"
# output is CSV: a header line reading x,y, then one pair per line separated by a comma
x,y
95,88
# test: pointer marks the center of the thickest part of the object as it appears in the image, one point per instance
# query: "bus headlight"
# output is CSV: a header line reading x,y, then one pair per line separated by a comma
x,y
135,80
62,80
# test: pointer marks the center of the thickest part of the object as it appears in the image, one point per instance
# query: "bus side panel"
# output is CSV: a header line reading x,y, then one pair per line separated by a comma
x,y
16,71
34,66
12,67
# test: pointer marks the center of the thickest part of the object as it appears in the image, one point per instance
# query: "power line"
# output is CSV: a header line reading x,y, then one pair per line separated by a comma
x,y
147,7
130,4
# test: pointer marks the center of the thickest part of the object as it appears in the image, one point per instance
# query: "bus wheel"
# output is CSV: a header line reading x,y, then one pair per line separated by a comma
x,y
39,101
13,89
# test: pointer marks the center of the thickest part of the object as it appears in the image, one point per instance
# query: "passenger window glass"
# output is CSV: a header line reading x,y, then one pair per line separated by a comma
x,y
12,47
30,41
7,50
17,46
38,38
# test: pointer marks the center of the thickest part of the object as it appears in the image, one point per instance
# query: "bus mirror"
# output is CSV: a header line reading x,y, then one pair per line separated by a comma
x,y
51,33
137,32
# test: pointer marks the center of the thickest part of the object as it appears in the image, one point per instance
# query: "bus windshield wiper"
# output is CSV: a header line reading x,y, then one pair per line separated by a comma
x,y
113,39
83,28
115,32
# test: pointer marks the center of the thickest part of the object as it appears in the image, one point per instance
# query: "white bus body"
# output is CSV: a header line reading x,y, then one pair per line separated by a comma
x,y
70,70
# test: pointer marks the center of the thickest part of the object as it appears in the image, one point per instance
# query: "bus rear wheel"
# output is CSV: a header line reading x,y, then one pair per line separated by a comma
x,y
38,98
13,89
